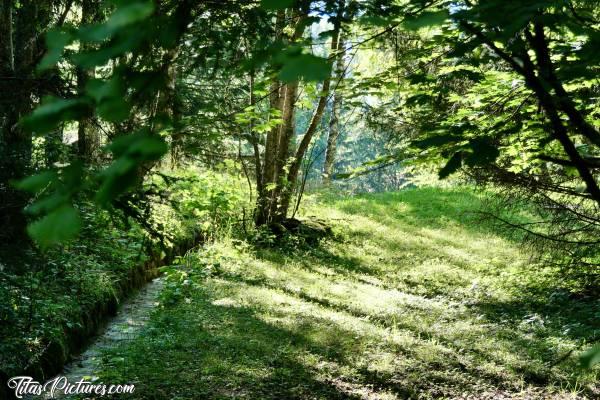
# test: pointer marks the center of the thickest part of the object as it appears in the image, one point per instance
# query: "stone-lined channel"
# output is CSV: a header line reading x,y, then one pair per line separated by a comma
x,y
131,317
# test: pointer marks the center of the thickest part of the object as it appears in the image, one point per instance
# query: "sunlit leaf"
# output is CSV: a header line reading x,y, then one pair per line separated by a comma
x,y
117,179
124,16
53,112
56,40
437,140
114,110
147,148
374,20
131,152
35,183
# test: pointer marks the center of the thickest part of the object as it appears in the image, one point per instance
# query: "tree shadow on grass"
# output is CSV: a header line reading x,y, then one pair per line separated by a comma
x,y
228,353
511,325
219,347
561,316
426,207
505,333
308,257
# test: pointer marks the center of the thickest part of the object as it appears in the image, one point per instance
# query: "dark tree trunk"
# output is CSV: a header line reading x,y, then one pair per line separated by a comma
x,y
88,135
21,47
15,144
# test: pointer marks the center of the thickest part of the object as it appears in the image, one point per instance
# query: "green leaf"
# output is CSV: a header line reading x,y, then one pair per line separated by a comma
x,y
140,146
148,148
451,166
124,16
591,357
419,99
276,4
114,110
121,144
90,59
58,226
131,152
52,112
425,19
420,78
374,20
118,178
306,66
462,73
35,183
56,41
110,96
47,204
101,90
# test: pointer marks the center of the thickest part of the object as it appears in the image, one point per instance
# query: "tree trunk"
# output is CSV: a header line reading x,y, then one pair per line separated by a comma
x,y
268,191
255,141
288,130
334,121
15,144
88,136
294,166
282,163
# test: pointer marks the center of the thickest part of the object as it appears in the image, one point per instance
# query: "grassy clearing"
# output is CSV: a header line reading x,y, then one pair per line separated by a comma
x,y
414,299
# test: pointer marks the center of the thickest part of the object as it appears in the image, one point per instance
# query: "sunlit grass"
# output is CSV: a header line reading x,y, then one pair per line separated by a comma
x,y
414,298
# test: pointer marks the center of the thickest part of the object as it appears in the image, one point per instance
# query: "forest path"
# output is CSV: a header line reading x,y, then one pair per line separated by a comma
x,y
413,298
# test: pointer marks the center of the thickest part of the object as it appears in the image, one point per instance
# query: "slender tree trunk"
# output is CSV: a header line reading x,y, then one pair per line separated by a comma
x,y
7,57
254,141
288,130
173,110
268,192
88,136
334,121
294,166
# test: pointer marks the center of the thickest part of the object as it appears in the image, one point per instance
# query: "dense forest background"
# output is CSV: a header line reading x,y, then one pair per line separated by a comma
x,y
132,130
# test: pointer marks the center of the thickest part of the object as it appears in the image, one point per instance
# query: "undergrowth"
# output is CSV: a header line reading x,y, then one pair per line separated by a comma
x,y
51,301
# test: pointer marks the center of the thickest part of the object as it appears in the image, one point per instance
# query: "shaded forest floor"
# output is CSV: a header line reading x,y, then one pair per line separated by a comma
x,y
413,298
